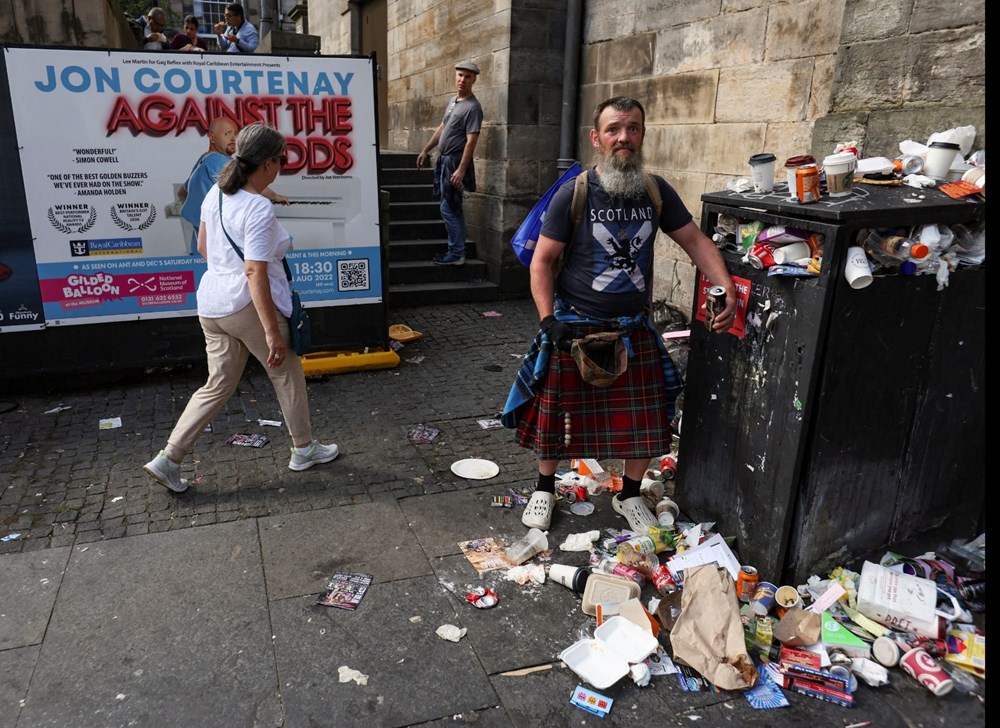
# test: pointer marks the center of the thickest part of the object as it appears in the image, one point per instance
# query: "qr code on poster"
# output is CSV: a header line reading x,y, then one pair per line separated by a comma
x,y
352,275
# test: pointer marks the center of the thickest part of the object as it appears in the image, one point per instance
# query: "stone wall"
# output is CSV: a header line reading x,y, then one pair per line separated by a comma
x,y
720,79
97,23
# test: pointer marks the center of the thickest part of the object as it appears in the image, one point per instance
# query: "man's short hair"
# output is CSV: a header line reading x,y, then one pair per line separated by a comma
x,y
193,20
236,8
618,103
158,15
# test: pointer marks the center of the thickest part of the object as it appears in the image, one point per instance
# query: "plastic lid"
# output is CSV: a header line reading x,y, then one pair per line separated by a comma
x,y
839,158
908,268
800,160
919,250
945,145
762,158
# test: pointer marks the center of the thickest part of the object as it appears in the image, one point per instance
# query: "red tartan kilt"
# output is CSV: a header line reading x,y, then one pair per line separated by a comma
x,y
627,420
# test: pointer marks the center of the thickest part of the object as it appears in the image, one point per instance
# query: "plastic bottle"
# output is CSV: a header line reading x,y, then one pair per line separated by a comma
x,y
901,248
610,566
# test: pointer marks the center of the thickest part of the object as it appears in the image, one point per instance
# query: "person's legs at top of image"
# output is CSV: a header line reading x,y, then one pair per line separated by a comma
x,y
538,511
289,384
227,358
629,502
454,222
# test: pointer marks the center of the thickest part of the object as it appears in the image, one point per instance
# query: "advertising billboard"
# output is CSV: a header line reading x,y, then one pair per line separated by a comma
x,y
107,141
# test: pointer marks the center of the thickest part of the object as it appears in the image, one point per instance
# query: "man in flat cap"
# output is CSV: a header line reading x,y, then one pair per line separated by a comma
x,y
456,138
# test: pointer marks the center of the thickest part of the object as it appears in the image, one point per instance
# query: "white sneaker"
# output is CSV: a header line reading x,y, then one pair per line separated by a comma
x,y
315,455
167,473
636,512
538,511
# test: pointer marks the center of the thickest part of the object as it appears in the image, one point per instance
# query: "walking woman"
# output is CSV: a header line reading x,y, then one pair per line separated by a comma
x,y
243,306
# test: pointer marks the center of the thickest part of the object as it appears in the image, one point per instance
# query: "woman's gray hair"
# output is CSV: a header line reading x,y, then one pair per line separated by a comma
x,y
255,144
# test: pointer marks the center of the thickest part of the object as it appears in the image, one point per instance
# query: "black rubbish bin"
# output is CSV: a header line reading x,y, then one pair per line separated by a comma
x,y
844,421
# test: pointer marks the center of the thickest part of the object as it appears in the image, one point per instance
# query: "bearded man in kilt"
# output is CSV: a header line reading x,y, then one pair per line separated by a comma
x,y
611,395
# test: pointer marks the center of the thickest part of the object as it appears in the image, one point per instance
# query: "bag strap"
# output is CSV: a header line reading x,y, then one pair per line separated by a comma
x,y
284,261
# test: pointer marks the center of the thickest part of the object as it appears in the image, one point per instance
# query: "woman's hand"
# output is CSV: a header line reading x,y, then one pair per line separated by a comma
x,y
277,349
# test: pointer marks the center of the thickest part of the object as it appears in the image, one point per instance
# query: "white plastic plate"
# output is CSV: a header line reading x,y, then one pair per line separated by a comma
x,y
475,469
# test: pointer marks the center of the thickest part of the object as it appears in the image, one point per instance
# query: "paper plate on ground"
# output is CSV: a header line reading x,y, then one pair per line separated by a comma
x,y
475,469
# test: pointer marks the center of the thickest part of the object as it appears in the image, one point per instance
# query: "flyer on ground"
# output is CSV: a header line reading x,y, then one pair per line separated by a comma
x,y
105,177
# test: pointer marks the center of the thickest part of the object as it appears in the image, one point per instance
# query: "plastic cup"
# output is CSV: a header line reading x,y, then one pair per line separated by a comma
x,y
857,270
940,156
534,542
762,171
788,597
763,598
886,652
666,512
843,672
791,253
923,668
839,174
572,577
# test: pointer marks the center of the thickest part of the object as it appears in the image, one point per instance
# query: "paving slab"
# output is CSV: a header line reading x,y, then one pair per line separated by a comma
x,y
18,665
303,550
542,699
30,584
162,629
414,676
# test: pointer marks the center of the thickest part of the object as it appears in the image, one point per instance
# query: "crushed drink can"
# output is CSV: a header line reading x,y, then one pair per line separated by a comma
x,y
715,303
668,463
663,580
746,583
807,183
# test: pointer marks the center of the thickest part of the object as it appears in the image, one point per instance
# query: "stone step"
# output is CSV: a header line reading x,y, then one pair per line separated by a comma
x,y
420,210
408,176
426,294
414,250
409,193
426,271
415,229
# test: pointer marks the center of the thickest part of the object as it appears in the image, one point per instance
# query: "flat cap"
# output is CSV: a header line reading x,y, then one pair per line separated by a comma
x,y
467,66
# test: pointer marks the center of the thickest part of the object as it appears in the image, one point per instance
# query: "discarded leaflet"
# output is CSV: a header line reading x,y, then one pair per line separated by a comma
x,y
246,439
345,590
423,433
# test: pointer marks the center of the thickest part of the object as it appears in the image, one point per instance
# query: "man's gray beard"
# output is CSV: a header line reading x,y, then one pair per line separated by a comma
x,y
622,177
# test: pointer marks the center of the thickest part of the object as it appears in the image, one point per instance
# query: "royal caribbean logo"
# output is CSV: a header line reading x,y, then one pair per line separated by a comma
x,y
107,246
133,215
70,219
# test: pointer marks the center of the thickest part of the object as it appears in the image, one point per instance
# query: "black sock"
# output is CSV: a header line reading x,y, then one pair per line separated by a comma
x,y
546,483
630,488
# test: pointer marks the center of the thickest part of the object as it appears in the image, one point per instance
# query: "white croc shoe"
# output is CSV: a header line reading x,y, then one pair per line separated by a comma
x,y
636,512
538,511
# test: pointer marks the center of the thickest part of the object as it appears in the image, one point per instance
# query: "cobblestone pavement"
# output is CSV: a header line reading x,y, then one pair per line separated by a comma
x,y
64,481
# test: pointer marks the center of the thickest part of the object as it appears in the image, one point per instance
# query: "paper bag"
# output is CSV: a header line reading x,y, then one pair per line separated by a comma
x,y
708,636
799,628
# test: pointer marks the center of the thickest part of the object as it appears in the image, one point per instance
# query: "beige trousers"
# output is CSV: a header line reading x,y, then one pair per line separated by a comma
x,y
228,342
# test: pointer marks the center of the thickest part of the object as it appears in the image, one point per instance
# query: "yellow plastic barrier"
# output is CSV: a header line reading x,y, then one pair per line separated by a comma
x,y
341,362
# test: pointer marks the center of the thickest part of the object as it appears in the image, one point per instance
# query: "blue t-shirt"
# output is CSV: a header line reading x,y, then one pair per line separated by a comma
x,y
199,183
609,266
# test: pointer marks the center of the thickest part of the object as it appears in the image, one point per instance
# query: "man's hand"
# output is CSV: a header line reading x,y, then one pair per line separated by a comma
x,y
219,27
457,179
421,160
560,333
725,318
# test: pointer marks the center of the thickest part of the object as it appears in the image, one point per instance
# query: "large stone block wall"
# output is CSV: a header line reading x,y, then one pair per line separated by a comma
x,y
720,79
724,79
97,24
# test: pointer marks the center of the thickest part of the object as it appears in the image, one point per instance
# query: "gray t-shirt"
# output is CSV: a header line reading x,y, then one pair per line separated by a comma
x,y
461,118
610,263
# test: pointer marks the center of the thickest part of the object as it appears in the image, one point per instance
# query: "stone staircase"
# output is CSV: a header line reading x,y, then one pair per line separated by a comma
x,y
416,233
